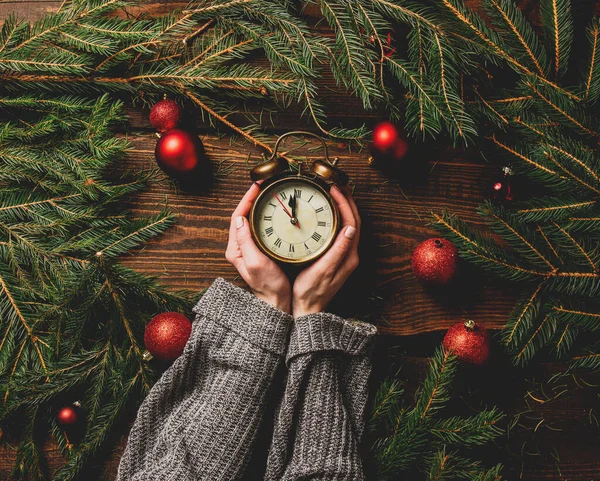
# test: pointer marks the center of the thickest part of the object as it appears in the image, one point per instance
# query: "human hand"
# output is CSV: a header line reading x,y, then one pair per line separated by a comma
x,y
264,277
316,285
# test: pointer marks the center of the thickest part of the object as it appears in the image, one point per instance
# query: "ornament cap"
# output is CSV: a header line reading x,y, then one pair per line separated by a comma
x,y
470,325
146,356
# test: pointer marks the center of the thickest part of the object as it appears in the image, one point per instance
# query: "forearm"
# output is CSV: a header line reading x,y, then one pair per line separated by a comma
x,y
319,422
200,420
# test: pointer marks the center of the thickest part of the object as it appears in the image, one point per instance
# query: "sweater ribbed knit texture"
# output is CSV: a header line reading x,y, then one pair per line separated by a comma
x,y
200,420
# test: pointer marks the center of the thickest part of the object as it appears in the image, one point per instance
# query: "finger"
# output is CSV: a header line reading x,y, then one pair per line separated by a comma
x,y
344,207
245,204
252,256
333,258
350,201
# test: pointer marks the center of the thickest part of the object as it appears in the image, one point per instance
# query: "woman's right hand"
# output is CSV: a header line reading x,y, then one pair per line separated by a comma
x,y
264,277
316,285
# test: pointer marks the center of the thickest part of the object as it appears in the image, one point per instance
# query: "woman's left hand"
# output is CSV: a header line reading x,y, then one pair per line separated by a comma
x,y
264,277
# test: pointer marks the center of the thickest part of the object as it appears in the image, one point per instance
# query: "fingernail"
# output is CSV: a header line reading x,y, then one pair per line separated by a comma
x,y
350,232
239,222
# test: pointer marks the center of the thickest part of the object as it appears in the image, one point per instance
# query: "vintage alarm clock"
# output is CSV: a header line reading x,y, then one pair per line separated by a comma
x,y
294,219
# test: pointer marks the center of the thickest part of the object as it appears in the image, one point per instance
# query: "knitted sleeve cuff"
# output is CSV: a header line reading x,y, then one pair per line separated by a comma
x,y
328,332
245,314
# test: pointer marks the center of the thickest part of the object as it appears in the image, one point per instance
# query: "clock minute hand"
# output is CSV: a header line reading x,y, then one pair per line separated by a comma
x,y
286,210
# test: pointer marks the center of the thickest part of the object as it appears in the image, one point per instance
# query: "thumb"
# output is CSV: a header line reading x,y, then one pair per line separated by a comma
x,y
244,238
341,246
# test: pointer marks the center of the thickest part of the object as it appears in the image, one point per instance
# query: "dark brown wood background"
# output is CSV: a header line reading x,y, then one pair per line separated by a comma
x,y
552,438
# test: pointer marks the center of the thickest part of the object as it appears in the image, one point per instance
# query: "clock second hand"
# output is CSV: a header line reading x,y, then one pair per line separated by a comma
x,y
297,224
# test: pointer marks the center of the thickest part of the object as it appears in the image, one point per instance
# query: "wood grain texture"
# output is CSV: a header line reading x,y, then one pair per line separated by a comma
x,y
395,207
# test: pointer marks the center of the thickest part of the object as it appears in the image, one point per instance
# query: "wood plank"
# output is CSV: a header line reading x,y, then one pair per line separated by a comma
x,y
394,212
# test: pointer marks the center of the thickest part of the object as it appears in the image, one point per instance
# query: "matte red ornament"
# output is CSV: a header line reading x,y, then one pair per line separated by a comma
x,y
67,416
434,261
179,154
469,341
165,115
166,335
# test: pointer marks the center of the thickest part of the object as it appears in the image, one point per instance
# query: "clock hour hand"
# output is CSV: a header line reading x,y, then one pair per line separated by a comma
x,y
297,224
292,204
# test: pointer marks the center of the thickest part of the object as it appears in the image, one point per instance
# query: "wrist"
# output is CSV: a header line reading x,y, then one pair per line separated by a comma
x,y
299,310
283,303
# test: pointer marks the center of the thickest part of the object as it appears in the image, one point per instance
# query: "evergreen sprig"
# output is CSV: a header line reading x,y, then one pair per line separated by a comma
x,y
422,436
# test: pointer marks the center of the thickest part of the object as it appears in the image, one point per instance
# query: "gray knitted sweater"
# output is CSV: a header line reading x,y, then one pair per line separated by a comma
x,y
201,419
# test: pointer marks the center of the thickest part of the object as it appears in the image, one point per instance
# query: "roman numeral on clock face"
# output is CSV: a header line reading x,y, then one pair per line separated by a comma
x,y
320,209
292,248
283,195
268,217
298,193
277,243
269,231
321,223
316,236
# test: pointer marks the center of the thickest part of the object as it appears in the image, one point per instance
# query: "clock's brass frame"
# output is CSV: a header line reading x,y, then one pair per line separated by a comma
x,y
268,187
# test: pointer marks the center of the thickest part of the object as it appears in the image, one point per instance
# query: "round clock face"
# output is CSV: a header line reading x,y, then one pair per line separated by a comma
x,y
294,220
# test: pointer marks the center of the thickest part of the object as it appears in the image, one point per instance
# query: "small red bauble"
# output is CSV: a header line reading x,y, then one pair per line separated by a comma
x,y
389,143
385,136
67,416
501,189
179,153
166,335
469,341
434,261
165,115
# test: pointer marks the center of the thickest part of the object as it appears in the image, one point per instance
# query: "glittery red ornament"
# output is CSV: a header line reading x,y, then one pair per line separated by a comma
x,y
165,115
389,144
469,341
434,261
166,334
67,416
179,154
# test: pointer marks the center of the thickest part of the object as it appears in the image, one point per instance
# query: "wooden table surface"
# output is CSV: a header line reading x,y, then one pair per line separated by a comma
x,y
395,207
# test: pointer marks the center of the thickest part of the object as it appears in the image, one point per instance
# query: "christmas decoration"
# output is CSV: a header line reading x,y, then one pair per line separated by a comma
x,y
469,342
441,436
389,144
166,335
165,115
179,153
434,261
501,188
68,415
461,77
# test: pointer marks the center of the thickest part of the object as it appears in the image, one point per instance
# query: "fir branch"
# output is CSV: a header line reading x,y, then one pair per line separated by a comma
x,y
592,75
557,24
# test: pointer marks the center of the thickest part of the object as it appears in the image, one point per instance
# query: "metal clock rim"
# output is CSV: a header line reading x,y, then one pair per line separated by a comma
x,y
286,260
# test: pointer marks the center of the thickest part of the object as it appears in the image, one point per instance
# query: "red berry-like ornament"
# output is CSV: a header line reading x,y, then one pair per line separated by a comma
x,y
501,189
68,415
166,335
389,144
179,154
434,261
469,341
165,115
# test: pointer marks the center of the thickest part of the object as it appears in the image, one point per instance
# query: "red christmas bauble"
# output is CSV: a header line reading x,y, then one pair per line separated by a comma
x,y
179,153
389,144
501,188
469,341
434,261
67,416
385,136
165,115
166,335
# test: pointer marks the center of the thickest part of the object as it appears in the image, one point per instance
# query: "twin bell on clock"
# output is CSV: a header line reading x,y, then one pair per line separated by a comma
x,y
294,219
